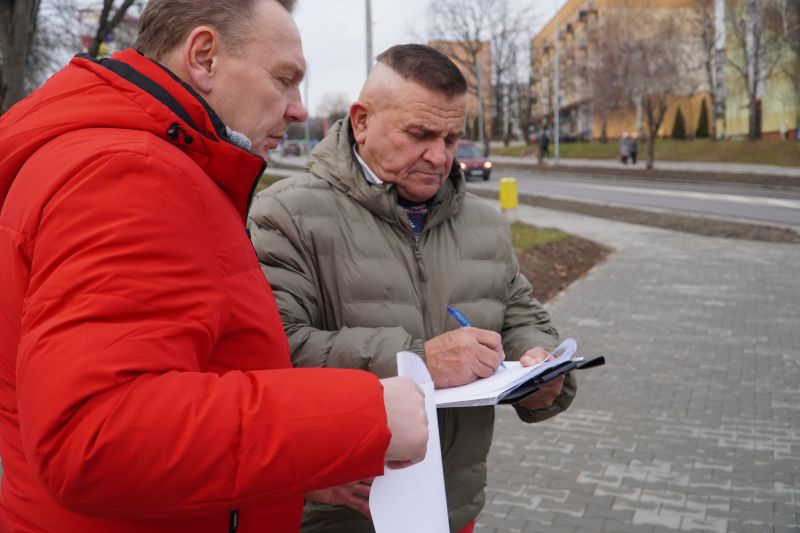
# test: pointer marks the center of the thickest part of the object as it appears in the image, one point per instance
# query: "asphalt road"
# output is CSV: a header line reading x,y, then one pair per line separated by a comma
x,y
742,203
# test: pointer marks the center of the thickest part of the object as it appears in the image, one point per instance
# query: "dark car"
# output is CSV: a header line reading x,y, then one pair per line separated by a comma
x,y
473,163
291,148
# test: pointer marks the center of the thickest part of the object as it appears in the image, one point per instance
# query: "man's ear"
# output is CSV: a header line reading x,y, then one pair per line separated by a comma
x,y
200,57
359,116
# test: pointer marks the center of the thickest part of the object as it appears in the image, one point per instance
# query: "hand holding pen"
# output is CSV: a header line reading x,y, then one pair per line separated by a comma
x,y
463,355
463,321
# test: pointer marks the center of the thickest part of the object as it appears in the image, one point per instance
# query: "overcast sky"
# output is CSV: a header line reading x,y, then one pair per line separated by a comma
x,y
334,38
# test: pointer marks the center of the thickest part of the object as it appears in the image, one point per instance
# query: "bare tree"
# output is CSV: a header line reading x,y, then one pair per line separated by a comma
x,y
464,24
607,70
656,73
18,20
704,27
56,41
508,32
756,51
37,37
789,11
108,21
524,98
333,106
649,67
468,25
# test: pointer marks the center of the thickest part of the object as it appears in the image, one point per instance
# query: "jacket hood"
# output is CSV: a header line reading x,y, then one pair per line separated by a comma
x,y
126,91
333,161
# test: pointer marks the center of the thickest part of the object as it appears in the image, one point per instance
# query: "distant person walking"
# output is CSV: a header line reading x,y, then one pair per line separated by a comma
x,y
543,142
624,148
633,147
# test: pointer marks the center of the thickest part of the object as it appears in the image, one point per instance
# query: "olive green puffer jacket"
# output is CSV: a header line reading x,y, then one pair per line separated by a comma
x,y
354,288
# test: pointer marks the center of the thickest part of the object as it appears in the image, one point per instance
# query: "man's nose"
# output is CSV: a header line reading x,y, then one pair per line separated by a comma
x,y
295,111
436,153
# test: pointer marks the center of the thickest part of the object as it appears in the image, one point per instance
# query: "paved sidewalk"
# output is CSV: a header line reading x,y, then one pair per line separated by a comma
x,y
694,422
681,166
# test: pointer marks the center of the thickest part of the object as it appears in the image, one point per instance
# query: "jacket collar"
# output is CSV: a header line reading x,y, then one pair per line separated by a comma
x,y
138,94
333,161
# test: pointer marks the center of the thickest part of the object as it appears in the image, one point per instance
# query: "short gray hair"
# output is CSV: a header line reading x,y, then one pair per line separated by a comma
x,y
164,23
426,66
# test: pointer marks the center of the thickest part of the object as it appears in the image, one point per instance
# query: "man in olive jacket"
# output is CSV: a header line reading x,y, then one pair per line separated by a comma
x,y
366,251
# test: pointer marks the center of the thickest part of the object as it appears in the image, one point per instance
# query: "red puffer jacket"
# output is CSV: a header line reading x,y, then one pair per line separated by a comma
x,y
144,372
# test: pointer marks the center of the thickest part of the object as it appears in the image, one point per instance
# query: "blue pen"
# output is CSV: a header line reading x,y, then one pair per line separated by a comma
x,y
463,321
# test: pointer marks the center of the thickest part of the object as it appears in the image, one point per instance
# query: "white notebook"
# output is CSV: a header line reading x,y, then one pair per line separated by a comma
x,y
491,390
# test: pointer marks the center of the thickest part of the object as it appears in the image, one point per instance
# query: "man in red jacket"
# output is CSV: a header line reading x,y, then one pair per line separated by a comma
x,y
145,380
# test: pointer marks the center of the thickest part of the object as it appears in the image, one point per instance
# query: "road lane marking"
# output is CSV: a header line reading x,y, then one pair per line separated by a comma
x,y
722,197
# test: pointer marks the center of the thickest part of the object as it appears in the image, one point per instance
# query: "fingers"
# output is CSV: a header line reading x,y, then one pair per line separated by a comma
x,y
361,505
534,356
545,396
486,361
397,465
463,355
359,498
490,339
355,495
362,489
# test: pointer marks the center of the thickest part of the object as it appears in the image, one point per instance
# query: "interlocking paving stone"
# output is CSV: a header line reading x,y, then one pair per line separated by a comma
x,y
694,422
612,526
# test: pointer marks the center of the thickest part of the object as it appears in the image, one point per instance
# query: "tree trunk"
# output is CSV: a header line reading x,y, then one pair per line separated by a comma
x,y
17,27
712,127
654,112
603,128
754,126
651,151
107,24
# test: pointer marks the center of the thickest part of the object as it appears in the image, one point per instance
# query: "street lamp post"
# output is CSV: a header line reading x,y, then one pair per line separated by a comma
x,y
369,36
481,138
556,83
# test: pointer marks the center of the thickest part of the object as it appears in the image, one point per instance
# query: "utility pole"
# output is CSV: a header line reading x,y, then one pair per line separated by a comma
x,y
481,139
556,83
369,36
720,85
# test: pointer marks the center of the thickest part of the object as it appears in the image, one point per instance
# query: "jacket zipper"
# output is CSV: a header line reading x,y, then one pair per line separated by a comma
x,y
234,522
252,192
422,282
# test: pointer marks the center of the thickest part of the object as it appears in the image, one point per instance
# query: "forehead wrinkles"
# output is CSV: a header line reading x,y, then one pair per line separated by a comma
x,y
438,114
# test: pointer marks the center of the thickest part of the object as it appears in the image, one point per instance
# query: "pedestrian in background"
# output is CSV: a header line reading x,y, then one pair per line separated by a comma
x,y
624,148
368,249
543,144
633,147
145,383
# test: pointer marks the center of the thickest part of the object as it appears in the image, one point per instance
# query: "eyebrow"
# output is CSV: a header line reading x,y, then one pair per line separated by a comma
x,y
429,132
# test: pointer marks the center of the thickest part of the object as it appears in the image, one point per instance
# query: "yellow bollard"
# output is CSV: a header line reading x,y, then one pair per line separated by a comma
x,y
508,194
509,200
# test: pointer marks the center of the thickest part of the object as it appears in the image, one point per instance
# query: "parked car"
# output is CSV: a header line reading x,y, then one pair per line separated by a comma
x,y
291,148
473,163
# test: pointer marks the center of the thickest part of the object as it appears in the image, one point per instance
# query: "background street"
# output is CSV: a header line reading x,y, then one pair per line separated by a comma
x,y
694,422
739,202
742,203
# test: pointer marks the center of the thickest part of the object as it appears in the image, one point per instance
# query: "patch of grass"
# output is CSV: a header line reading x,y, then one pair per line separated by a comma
x,y
526,237
784,153
266,180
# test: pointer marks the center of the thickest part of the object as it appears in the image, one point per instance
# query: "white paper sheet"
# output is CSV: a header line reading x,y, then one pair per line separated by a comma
x,y
412,500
